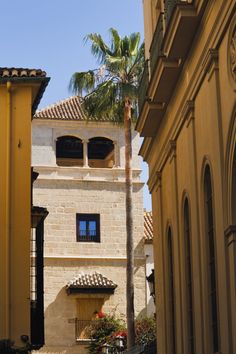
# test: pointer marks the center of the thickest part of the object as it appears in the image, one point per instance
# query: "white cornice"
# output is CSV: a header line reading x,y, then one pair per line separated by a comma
x,y
85,174
83,257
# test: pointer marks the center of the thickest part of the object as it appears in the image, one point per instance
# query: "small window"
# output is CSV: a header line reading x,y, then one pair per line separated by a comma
x,y
88,227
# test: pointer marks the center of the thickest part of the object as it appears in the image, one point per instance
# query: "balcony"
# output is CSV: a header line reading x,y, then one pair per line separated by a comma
x,y
143,86
181,19
168,52
170,7
156,46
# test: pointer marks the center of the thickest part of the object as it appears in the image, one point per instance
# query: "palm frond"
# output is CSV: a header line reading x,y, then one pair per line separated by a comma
x,y
125,50
100,102
82,82
134,40
98,47
122,65
115,43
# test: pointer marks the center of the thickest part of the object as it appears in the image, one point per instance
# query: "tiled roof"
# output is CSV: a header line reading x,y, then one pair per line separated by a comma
x,y
21,72
67,109
148,226
95,280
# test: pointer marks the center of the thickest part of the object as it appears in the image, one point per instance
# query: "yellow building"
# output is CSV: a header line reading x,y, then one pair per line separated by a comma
x,y
20,93
187,119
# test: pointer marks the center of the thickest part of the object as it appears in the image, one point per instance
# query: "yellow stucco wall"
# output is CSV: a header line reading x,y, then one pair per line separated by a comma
x,y
15,211
197,127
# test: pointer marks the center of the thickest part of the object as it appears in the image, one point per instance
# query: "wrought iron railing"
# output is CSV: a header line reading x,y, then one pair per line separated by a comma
x,y
142,93
156,45
83,328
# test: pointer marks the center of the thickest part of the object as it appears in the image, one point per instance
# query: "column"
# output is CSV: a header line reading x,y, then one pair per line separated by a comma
x,y
85,153
116,155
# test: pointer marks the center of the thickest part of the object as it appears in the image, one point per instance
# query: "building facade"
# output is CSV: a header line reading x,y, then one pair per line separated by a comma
x,y
187,119
20,92
82,183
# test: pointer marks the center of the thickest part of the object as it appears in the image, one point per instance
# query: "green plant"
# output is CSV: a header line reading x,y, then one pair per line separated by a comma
x,y
101,332
145,330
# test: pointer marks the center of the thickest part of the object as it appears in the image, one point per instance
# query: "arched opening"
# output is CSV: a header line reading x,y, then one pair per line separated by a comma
x,y
69,151
188,272
171,296
211,259
101,153
233,194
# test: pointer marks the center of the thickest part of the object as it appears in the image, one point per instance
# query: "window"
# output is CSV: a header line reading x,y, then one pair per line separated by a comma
x,y
101,153
69,151
171,290
210,233
88,227
188,270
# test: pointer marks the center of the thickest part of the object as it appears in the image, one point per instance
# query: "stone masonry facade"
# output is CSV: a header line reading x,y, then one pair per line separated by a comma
x,y
67,191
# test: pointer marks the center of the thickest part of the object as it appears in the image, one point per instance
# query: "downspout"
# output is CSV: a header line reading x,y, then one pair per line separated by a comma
x,y
8,207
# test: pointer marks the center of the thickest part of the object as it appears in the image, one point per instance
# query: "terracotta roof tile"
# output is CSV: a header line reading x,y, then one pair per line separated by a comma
x,y
95,280
148,226
21,72
67,109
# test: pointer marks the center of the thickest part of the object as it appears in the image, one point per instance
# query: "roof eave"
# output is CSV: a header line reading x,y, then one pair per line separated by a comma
x,y
43,84
89,290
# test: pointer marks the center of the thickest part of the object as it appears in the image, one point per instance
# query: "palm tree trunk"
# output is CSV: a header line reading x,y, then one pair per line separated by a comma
x,y
129,228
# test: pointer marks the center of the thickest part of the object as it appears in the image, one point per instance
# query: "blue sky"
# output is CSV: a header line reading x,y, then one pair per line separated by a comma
x,y
49,34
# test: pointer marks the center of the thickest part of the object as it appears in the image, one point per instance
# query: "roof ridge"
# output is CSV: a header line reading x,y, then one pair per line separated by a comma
x,y
64,100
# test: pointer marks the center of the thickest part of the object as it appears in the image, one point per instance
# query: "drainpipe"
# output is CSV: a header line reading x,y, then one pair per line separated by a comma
x,y
8,207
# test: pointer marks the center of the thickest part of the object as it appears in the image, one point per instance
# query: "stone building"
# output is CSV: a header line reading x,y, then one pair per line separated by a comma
x,y
82,183
187,119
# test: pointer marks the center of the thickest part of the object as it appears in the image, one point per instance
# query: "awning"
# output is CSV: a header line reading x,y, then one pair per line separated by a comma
x,y
90,283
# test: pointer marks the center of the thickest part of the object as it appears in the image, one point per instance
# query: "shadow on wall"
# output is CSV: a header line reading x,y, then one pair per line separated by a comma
x,y
59,321
139,252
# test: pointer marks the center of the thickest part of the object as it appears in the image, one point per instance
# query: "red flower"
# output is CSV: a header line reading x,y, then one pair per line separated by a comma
x,y
120,334
101,314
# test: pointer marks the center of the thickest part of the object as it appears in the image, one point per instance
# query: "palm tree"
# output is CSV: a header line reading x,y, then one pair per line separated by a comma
x,y
112,91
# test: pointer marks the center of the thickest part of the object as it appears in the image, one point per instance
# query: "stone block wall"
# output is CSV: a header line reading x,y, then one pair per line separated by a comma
x,y
66,191
65,257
